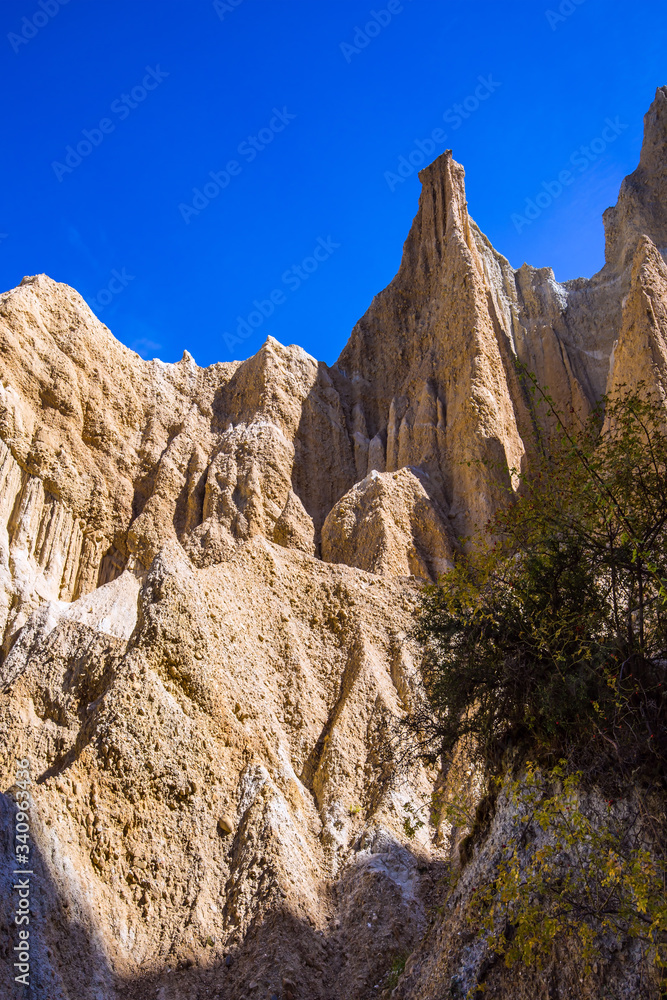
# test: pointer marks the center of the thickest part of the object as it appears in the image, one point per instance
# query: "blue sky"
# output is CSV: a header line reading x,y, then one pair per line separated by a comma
x,y
208,173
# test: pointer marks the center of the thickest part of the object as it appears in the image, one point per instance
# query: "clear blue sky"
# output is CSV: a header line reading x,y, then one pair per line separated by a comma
x,y
183,86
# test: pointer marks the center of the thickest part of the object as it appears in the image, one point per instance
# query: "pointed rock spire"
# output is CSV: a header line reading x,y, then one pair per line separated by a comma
x,y
642,201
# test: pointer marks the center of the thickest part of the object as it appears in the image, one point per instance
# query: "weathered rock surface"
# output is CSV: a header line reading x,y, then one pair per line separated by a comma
x,y
388,524
254,691
641,209
206,582
294,528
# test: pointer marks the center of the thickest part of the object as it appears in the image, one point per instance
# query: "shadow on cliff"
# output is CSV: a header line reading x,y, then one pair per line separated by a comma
x,y
66,962
332,453
281,955
324,468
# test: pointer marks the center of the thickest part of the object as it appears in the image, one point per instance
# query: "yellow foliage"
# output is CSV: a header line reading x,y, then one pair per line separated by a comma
x,y
581,875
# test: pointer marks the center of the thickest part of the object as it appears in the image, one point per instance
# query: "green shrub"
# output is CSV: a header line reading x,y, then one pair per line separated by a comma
x,y
547,642
550,636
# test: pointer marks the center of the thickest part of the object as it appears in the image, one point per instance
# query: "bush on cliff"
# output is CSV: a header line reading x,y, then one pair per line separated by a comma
x,y
550,637
545,656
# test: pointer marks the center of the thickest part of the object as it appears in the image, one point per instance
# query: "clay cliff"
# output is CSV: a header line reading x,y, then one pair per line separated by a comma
x,y
207,578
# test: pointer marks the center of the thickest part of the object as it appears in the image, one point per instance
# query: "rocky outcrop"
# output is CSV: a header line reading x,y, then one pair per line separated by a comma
x,y
429,370
388,524
640,353
255,690
207,579
641,209
430,365
105,457
294,528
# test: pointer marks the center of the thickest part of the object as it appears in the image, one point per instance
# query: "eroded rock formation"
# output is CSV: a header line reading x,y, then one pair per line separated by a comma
x,y
388,524
207,578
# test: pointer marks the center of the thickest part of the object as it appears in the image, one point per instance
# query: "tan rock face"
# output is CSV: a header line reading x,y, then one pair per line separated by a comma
x,y
640,353
205,592
294,528
388,524
428,367
208,746
641,209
